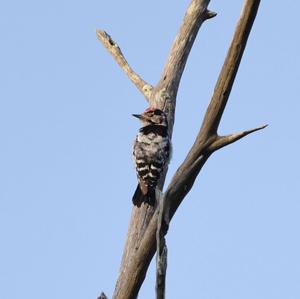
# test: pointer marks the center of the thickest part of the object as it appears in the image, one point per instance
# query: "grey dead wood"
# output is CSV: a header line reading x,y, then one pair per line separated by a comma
x,y
146,229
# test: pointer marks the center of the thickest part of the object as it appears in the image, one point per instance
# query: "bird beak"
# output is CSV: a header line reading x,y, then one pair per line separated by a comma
x,y
137,115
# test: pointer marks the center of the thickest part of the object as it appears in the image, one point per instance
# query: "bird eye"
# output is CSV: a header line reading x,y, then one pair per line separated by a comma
x,y
157,112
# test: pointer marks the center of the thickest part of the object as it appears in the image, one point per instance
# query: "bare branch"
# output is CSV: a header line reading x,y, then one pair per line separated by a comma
x,y
207,135
230,67
117,54
222,141
196,14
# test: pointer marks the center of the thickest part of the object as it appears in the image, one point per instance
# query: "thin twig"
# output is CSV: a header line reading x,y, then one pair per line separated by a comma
x,y
161,251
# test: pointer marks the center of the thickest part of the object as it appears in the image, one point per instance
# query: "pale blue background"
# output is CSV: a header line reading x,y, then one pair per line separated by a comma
x,y
66,175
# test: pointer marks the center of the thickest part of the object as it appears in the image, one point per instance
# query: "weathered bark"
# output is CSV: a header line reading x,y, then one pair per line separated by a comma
x,y
141,239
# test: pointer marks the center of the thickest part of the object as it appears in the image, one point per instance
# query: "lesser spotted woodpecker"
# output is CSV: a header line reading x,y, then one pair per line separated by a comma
x,y
151,154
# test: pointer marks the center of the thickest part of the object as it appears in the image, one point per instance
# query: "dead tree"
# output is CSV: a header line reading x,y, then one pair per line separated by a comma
x,y
149,225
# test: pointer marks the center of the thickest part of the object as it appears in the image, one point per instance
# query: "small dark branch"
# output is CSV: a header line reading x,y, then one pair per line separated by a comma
x,y
226,78
102,296
161,270
117,54
161,251
222,141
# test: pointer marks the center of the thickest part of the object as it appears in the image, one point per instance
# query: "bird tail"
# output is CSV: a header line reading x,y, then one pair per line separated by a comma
x,y
138,197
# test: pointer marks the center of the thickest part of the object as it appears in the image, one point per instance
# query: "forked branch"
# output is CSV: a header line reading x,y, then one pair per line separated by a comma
x,y
222,141
207,140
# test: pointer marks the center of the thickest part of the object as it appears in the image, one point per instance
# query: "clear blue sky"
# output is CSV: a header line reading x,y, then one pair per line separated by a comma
x,y
66,175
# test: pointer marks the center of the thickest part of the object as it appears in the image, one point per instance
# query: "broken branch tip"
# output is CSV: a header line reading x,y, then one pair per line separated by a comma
x,y
102,296
210,14
257,128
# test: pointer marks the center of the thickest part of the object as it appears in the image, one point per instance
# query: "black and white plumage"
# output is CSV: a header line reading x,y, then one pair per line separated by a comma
x,y
151,154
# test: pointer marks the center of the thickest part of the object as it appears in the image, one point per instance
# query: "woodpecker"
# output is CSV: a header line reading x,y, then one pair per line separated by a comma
x,y
151,154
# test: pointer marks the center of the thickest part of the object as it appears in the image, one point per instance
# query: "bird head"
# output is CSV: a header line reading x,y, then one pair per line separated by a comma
x,y
152,116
